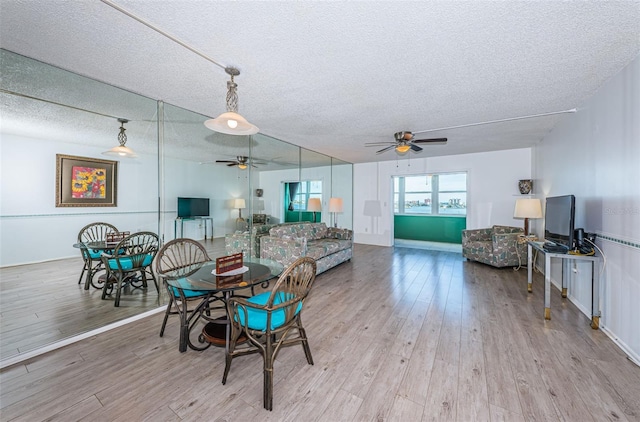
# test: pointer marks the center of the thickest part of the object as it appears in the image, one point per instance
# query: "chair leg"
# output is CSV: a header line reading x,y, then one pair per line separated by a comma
x,y
305,342
166,315
235,333
84,268
268,374
118,289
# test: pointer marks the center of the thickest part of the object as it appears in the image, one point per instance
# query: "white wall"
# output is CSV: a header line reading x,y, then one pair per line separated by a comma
x,y
595,155
492,183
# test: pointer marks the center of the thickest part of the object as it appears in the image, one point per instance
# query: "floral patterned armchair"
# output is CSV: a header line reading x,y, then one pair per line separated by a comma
x,y
499,246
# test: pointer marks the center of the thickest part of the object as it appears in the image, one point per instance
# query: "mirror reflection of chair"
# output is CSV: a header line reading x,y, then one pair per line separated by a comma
x,y
180,258
93,232
269,318
130,264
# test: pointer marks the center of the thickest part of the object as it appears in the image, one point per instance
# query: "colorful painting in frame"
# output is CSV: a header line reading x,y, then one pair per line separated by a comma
x,y
85,182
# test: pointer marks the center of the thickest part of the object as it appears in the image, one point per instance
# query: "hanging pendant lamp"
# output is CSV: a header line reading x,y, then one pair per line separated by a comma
x,y
121,150
231,122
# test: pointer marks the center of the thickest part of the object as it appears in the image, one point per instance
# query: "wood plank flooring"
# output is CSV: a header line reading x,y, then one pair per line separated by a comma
x,y
397,334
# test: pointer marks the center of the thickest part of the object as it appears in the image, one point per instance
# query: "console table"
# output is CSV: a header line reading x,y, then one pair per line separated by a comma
x,y
566,258
182,220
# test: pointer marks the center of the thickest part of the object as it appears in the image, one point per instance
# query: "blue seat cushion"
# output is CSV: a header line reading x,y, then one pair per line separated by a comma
x,y
94,254
189,293
258,318
127,264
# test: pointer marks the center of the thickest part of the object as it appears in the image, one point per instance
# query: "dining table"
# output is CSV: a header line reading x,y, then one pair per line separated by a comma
x,y
219,289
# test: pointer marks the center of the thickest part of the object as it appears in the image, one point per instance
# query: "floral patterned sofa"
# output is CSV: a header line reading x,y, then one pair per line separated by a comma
x,y
498,246
247,242
329,246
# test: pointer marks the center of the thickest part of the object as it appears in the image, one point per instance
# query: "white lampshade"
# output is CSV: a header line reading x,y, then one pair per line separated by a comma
x,y
239,203
528,208
231,123
372,208
335,205
314,204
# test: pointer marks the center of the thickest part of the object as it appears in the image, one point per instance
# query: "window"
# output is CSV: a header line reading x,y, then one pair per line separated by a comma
x,y
301,194
431,194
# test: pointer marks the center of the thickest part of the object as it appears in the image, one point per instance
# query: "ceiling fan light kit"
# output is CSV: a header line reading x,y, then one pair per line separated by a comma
x,y
231,122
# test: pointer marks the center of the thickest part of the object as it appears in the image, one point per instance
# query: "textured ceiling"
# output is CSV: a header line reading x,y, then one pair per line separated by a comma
x,y
330,76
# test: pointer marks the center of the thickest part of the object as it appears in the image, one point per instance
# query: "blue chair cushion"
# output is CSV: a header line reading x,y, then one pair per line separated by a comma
x,y
189,293
127,264
94,254
258,318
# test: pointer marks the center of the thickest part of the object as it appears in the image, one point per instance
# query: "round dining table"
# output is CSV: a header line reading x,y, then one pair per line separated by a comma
x,y
219,288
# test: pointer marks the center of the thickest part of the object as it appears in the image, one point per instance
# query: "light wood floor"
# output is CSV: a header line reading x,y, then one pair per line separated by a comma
x,y
397,334
43,303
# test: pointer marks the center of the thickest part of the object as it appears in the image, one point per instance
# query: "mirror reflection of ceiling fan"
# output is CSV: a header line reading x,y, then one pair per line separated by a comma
x,y
405,140
241,161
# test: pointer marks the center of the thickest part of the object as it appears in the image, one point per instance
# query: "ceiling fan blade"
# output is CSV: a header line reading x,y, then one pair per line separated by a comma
x,y
377,144
415,148
232,164
385,149
430,141
226,161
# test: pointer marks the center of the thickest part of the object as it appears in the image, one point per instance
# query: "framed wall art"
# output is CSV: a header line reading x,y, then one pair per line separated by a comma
x,y
85,182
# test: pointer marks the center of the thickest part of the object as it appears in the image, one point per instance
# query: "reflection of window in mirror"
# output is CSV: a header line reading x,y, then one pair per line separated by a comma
x,y
297,194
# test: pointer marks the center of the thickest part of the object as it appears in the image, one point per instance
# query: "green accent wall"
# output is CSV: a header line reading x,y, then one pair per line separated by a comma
x,y
430,228
296,216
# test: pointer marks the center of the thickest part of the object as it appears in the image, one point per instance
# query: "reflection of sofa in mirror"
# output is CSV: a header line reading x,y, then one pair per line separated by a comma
x,y
329,246
498,246
248,242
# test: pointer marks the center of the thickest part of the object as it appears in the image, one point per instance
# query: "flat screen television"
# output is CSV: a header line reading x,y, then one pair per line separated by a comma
x,y
559,219
193,207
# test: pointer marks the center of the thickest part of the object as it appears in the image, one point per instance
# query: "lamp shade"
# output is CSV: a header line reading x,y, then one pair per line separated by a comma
x,y
528,208
231,123
372,208
239,203
335,205
120,151
314,204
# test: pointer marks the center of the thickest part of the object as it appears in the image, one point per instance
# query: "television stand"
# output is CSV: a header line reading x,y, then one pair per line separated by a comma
x,y
565,257
181,221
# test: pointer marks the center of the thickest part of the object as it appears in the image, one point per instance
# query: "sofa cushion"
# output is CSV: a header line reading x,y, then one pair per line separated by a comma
x,y
310,231
320,248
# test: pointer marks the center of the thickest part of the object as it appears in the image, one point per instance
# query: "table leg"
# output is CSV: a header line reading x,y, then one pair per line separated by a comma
x,y
564,278
547,286
529,269
595,295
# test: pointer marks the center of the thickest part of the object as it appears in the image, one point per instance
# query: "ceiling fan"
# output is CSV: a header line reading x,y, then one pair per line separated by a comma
x,y
241,161
405,141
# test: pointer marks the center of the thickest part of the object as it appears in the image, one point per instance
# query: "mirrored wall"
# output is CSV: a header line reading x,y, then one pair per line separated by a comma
x,y
47,111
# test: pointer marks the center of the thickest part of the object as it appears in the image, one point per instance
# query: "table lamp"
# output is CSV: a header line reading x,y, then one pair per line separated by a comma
x,y
239,204
335,206
315,206
527,208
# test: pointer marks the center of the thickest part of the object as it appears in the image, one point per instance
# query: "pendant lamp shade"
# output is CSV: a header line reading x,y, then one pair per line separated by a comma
x,y
231,122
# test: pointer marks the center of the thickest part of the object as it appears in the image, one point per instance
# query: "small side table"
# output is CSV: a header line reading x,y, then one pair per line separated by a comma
x,y
182,220
565,257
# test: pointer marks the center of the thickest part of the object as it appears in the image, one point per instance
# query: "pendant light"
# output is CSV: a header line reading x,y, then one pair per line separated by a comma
x,y
231,122
121,150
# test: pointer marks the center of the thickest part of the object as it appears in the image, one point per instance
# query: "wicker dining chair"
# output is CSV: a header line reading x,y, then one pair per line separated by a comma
x,y
268,319
93,232
130,263
180,257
